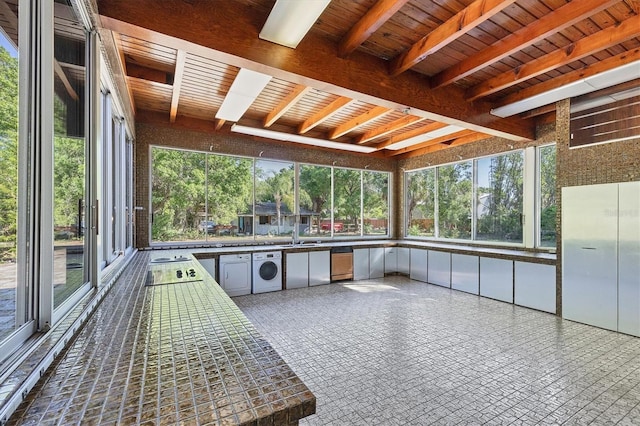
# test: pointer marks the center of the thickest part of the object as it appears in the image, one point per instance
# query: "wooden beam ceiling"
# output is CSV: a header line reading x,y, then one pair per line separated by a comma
x,y
358,121
290,100
308,64
326,112
583,47
551,23
177,84
368,24
458,25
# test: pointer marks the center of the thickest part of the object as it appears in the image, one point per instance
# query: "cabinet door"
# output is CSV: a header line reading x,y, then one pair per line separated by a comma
x,y
418,265
361,264
496,279
209,265
629,258
590,255
319,267
376,262
236,278
440,268
535,286
297,271
390,260
465,274
403,260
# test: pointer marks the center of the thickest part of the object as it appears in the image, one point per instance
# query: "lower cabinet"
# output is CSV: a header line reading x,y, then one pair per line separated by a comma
x,y
418,264
376,262
535,286
319,267
496,279
390,260
465,273
360,264
297,270
404,261
439,267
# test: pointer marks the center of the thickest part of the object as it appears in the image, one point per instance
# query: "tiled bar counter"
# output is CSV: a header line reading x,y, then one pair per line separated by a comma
x,y
178,353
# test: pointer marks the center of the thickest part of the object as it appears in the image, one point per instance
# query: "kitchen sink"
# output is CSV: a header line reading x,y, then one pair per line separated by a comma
x,y
170,259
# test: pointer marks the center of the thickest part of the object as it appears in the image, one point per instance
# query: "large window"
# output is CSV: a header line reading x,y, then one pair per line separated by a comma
x,y
454,200
547,196
375,203
499,197
221,204
483,199
315,201
275,199
421,202
11,304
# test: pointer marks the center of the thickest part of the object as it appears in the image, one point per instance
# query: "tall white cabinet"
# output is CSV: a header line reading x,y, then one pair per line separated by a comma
x,y
601,255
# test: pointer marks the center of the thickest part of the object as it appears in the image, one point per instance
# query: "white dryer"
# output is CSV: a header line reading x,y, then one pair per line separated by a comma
x,y
267,271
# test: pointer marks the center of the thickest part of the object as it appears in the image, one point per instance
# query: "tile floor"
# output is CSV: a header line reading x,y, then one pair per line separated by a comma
x,y
400,352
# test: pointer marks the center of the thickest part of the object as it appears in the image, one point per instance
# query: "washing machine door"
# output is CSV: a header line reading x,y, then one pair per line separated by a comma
x,y
268,270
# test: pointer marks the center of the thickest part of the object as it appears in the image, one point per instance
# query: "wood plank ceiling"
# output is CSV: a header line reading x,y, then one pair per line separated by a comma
x,y
370,72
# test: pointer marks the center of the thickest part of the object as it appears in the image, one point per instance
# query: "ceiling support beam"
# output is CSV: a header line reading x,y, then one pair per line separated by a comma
x,y
358,121
388,128
410,134
584,47
368,24
181,56
553,22
313,63
430,142
326,112
458,25
433,148
218,123
587,71
285,104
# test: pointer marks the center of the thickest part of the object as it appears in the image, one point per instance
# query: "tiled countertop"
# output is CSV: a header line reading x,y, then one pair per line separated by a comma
x,y
167,354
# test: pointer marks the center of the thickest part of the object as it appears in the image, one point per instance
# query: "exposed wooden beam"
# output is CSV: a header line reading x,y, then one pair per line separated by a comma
x,y
117,44
375,17
181,56
326,112
65,80
388,128
358,121
552,23
290,100
584,47
218,123
313,63
410,134
430,142
458,25
587,71
457,142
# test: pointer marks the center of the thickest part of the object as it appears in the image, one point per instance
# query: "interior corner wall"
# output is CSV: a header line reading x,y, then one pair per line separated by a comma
x,y
224,142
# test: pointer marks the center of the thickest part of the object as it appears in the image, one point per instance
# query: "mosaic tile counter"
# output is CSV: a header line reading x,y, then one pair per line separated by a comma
x,y
179,353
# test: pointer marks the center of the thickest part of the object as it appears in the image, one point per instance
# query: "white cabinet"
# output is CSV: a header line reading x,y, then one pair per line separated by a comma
x,y
376,262
235,274
418,265
535,286
319,267
361,264
390,260
590,255
297,270
209,265
629,258
496,279
465,274
403,261
439,267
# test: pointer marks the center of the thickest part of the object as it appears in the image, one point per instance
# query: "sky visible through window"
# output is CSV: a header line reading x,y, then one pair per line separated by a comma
x,y
4,42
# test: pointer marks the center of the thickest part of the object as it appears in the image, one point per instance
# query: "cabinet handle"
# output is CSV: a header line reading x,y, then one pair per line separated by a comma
x,y
589,248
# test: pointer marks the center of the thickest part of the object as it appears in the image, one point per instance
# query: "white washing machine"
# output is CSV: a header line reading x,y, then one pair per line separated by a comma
x,y
267,271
